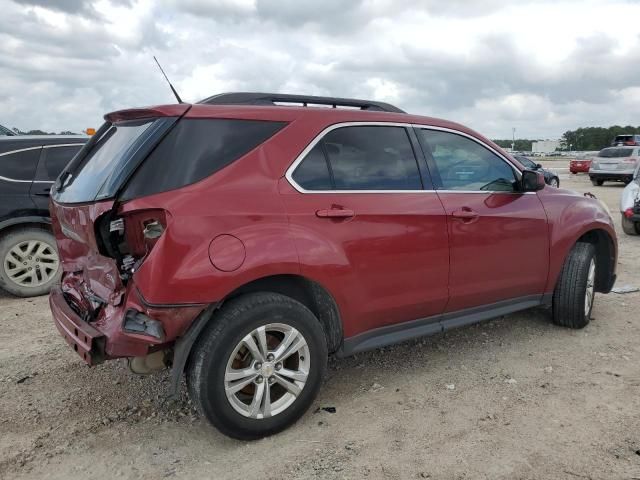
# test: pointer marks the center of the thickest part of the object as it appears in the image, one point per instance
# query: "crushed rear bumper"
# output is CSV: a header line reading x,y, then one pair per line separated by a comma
x,y
86,340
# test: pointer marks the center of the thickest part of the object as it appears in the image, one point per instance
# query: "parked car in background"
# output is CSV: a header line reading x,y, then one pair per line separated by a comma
x,y
550,177
5,132
630,205
614,164
242,241
579,165
626,140
28,167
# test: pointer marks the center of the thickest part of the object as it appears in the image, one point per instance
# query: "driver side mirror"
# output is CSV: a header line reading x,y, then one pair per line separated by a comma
x,y
538,165
532,181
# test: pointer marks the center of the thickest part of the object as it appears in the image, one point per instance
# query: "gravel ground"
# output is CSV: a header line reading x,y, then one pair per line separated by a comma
x,y
513,398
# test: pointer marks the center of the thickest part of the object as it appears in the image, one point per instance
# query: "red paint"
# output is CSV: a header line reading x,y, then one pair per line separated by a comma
x,y
384,257
227,253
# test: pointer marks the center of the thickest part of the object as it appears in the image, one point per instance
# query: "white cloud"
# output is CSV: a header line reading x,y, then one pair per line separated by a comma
x,y
538,65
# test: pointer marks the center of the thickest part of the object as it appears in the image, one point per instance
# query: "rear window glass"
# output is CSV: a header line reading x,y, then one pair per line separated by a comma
x,y
195,149
56,158
616,152
106,158
20,165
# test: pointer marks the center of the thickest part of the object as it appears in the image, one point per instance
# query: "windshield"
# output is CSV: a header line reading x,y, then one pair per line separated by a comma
x,y
615,152
110,161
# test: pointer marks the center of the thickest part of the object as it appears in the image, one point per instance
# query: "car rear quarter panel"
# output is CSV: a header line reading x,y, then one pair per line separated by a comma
x,y
241,201
570,216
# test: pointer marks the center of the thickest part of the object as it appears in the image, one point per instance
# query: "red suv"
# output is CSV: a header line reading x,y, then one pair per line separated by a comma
x,y
241,241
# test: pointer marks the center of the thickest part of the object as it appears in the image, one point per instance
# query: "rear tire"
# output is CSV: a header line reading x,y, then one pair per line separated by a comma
x,y
597,183
629,226
573,296
30,265
554,182
240,349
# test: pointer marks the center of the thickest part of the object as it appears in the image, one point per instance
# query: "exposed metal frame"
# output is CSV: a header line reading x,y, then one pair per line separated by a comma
x,y
321,135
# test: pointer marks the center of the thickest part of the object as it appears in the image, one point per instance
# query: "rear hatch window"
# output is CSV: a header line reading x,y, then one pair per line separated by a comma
x,y
615,152
109,160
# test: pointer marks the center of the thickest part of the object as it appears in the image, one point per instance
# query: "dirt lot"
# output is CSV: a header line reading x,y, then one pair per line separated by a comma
x,y
512,398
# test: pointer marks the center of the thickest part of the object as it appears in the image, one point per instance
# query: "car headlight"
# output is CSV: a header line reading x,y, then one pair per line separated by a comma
x,y
595,165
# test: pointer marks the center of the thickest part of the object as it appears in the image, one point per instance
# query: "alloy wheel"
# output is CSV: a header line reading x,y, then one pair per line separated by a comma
x,y
267,371
590,290
31,263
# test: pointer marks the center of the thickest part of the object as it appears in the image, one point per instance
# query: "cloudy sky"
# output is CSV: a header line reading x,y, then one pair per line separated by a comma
x,y
541,66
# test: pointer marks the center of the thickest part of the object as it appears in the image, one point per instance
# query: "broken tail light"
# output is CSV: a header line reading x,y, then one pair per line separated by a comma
x,y
130,237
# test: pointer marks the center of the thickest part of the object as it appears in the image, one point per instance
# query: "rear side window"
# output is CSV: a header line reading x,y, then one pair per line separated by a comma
x,y
615,152
361,158
195,149
19,166
313,172
56,158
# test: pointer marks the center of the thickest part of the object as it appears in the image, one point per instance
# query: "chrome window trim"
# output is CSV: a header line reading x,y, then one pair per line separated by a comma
x,y
325,131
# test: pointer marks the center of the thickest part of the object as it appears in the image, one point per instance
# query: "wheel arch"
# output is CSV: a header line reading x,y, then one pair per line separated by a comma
x,y
605,257
308,292
13,224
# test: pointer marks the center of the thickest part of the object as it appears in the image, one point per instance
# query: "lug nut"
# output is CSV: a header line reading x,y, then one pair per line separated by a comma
x,y
270,357
259,379
258,365
278,366
271,380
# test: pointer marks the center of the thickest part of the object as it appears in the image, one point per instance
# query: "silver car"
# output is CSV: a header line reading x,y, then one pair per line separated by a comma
x,y
615,164
630,205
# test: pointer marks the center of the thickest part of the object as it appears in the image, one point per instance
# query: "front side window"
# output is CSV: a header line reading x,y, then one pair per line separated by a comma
x,y
463,164
364,157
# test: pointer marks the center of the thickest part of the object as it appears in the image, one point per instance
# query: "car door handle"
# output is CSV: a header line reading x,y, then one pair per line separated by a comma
x,y
465,214
335,213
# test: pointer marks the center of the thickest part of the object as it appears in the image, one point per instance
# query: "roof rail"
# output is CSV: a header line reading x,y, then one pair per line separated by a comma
x,y
255,98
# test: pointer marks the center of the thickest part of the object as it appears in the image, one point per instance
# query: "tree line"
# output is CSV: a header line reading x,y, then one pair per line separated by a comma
x,y
41,132
585,138
595,138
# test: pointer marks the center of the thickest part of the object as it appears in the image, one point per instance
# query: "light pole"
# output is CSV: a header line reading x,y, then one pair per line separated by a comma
x,y
513,139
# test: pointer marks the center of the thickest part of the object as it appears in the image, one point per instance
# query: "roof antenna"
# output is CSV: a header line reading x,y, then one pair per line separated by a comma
x,y
167,79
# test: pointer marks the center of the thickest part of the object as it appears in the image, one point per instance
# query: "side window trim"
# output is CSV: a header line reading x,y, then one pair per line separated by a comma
x,y
320,138
434,170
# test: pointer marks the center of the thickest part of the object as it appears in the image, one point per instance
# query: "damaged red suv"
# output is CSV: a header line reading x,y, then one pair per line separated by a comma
x,y
243,239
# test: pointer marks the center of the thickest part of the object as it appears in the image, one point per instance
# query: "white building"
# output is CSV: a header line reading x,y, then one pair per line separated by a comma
x,y
545,146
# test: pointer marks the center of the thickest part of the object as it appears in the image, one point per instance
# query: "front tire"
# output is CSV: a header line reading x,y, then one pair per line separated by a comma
x,y
573,296
596,183
258,366
629,226
30,263
554,182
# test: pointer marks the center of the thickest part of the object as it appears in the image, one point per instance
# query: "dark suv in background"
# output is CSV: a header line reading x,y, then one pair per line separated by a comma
x,y
28,166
